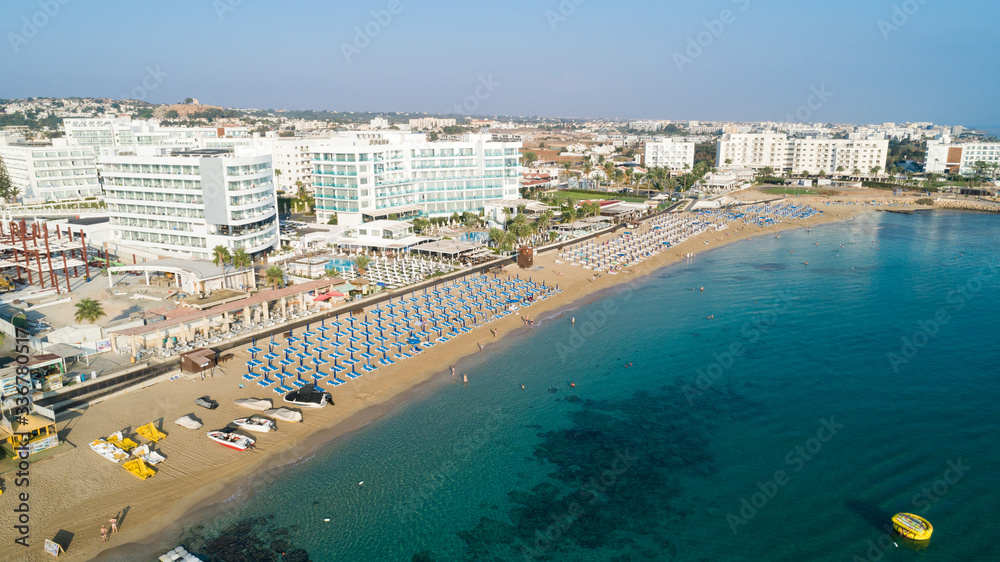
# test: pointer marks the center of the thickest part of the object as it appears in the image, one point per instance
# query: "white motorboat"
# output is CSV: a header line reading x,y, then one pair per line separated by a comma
x,y
256,423
232,439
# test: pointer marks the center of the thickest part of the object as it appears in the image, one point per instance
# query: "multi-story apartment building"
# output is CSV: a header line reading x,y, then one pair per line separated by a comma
x,y
183,202
51,172
945,157
359,177
801,155
645,125
670,154
431,123
292,163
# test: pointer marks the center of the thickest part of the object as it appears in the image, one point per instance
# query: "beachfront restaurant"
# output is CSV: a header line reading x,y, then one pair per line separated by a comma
x,y
458,250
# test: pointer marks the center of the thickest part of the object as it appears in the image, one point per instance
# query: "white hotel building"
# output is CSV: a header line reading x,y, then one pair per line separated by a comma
x,y
51,172
801,155
360,177
179,202
669,154
945,157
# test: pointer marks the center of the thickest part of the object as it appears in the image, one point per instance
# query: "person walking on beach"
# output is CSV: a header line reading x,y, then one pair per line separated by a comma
x,y
114,524
104,534
452,371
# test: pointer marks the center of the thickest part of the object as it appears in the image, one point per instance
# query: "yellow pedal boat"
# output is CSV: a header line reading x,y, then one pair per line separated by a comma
x,y
912,526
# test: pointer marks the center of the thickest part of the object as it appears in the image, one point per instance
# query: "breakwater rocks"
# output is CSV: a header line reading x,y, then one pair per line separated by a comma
x,y
967,205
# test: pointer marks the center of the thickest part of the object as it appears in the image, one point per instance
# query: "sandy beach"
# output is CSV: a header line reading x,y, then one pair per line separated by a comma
x,y
76,491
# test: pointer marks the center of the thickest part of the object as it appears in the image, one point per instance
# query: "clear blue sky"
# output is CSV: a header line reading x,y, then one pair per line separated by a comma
x,y
605,59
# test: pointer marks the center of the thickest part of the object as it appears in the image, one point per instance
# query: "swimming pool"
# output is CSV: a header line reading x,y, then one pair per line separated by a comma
x,y
340,264
482,237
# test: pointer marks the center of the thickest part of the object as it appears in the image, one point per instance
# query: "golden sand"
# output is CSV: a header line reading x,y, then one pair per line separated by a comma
x,y
77,490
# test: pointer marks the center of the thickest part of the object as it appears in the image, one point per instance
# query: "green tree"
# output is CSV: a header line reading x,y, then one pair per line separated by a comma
x,y
6,185
274,276
361,263
875,170
90,310
172,114
241,261
221,258
529,157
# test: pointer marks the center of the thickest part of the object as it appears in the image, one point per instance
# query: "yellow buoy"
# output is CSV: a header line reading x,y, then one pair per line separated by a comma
x,y
912,526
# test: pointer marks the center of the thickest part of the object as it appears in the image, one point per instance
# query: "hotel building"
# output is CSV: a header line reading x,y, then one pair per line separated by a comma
x,y
945,157
360,177
51,172
669,154
180,202
801,155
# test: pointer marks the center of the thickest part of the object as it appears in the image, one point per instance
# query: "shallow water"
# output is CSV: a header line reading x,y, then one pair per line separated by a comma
x,y
781,429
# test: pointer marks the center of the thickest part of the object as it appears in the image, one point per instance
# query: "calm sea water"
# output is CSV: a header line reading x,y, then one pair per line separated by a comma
x,y
819,400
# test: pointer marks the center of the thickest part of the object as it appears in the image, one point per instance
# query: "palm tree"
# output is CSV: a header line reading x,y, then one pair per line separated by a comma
x,y
274,276
241,260
767,171
89,310
221,258
361,263
497,237
856,172
588,167
609,167
875,170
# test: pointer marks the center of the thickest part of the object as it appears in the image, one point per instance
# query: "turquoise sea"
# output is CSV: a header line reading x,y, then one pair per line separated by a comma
x,y
817,401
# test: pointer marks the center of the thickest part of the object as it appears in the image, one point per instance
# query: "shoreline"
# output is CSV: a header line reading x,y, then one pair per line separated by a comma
x,y
219,478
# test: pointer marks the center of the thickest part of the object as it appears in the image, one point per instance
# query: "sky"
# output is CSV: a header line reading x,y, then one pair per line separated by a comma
x,y
850,61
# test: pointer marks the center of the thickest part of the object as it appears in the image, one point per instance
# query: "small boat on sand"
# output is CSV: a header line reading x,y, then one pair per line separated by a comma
x,y
309,397
256,423
231,439
912,526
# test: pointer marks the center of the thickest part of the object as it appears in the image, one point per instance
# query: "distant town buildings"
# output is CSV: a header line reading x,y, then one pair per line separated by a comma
x,y
801,155
359,177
